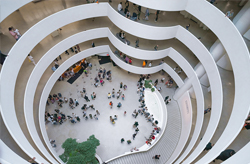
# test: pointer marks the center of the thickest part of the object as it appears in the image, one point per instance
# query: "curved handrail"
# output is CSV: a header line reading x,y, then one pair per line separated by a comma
x,y
25,39
10,6
6,153
90,35
84,54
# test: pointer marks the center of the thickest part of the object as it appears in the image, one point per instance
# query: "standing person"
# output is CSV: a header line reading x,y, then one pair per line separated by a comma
x,y
146,14
17,32
156,15
94,95
156,82
119,8
143,63
76,102
229,14
156,47
209,146
31,59
121,84
125,112
125,87
168,101
78,48
166,98
109,95
119,104
139,12
66,52
111,104
97,112
150,64
134,135
86,98
76,51
207,110
137,43
118,95
123,96
12,32
93,44
187,27
156,157
130,61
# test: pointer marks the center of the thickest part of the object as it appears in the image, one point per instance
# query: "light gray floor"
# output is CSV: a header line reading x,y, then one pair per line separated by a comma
x,y
31,13
108,134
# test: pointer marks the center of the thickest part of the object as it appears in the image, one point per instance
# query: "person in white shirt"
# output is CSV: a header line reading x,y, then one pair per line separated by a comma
x,y
31,59
150,64
120,6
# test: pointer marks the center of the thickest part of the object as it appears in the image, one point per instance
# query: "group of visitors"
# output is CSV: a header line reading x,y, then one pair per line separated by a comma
x,y
102,74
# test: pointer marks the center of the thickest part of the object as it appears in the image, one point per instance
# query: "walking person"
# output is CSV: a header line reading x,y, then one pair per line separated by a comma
x,y
229,14
156,47
187,27
86,98
146,14
31,59
166,98
139,12
168,101
134,135
111,104
93,44
137,43
156,15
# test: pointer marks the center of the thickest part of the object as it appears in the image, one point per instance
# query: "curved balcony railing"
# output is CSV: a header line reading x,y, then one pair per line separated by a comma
x,y
101,8
90,35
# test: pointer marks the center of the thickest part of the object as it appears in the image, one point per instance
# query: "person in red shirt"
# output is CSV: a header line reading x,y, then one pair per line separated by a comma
x,y
130,61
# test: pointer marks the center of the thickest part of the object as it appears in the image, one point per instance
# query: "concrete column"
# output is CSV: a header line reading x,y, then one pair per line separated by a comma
x,y
242,23
217,50
179,92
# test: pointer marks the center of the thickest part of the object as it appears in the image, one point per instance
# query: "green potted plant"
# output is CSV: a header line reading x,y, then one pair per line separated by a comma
x,y
152,89
147,84
84,152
